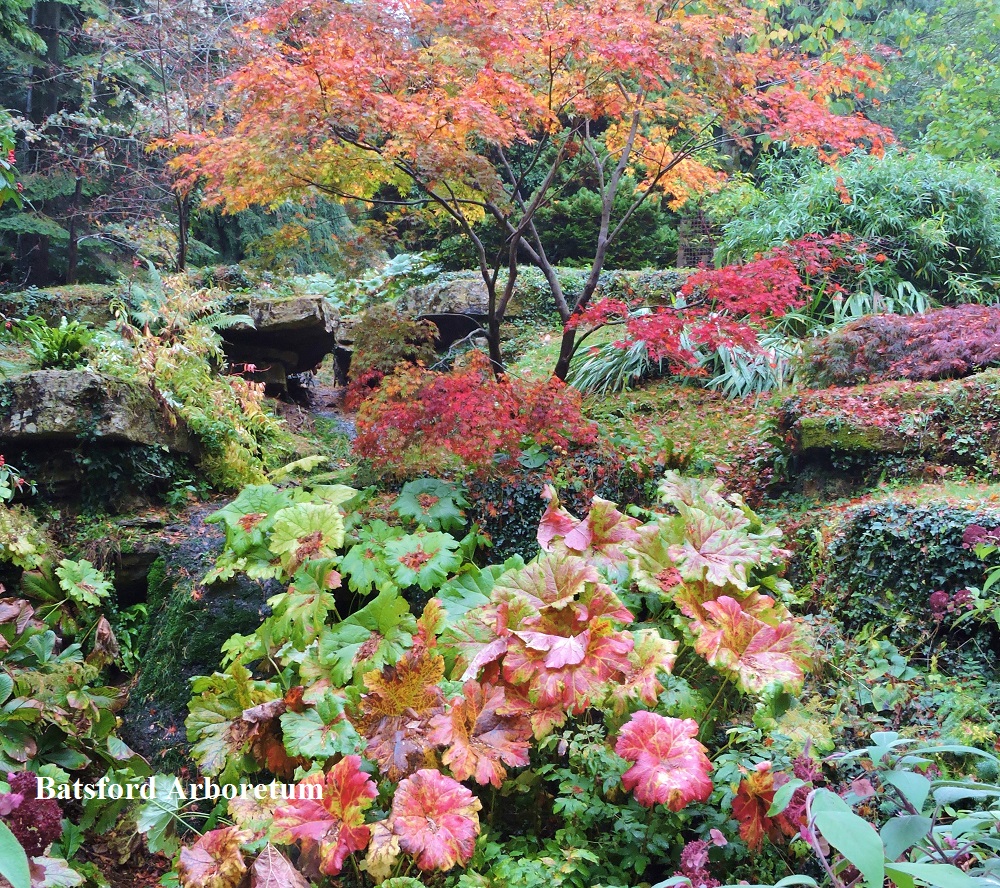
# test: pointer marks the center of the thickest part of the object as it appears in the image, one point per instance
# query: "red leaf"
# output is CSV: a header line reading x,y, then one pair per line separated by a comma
x,y
334,825
436,820
671,767
751,804
480,740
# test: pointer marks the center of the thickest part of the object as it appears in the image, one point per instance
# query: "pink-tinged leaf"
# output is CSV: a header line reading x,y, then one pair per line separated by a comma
x,y
436,820
272,869
332,826
601,601
714,552
757,653
690,598
551,582
605,531
543,719
698,492
559,651
556,521
472,643
670,766
651,655
479,739
575,687
215,860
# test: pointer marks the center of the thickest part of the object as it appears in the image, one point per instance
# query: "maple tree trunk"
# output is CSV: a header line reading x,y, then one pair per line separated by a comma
x,y
493,338
565,354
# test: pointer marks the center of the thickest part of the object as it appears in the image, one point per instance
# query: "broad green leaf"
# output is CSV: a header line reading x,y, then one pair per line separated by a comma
x,y
938,875
321,732
949,794
914,787
471,590
824,801
423,559
365,564
306,531
83,582
373,637
157,818
900,833
435,504
857,841
13,860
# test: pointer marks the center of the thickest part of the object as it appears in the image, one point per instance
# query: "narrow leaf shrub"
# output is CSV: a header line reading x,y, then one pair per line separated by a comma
x,y
937,223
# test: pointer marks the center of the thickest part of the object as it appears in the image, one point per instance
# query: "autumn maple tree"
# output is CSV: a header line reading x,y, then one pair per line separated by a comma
x,y
484,110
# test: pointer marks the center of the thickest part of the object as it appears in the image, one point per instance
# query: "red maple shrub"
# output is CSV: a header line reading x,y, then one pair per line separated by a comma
x,y
727,306
466,419
940,344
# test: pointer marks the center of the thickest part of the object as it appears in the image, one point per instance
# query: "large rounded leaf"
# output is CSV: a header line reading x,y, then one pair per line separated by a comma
x,y
671,766
436,820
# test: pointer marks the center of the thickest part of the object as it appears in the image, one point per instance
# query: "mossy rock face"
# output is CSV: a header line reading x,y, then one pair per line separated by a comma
x,y
820,434
68,405
884,560
954,422
87,303
187,626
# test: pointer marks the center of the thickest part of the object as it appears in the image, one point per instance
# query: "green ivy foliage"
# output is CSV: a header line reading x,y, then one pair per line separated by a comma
x,y
886,560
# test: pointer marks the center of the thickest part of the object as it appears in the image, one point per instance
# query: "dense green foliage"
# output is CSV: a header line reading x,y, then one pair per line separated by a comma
x,y
938,223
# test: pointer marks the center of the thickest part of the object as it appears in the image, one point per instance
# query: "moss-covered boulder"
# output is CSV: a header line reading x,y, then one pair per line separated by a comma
x,y
288,336
49,406
954,422
187,626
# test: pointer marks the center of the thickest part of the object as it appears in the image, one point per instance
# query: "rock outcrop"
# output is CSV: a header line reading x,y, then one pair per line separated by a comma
x,y
64,406
289,336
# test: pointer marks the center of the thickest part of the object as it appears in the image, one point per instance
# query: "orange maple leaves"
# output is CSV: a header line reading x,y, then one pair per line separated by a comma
x,y
351,97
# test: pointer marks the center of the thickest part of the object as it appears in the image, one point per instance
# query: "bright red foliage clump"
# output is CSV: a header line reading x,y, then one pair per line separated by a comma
x,y
466,418
727,306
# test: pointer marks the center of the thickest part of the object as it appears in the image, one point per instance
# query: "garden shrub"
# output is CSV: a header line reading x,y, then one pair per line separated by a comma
x,y
421,422
937,223
561,669
947,342
384,339
886,560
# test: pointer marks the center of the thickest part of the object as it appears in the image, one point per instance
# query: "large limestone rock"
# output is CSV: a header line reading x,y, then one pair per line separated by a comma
x,y
448,294
289,336
64,406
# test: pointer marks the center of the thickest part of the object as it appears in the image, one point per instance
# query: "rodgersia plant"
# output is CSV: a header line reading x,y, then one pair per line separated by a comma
x,y
415,727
